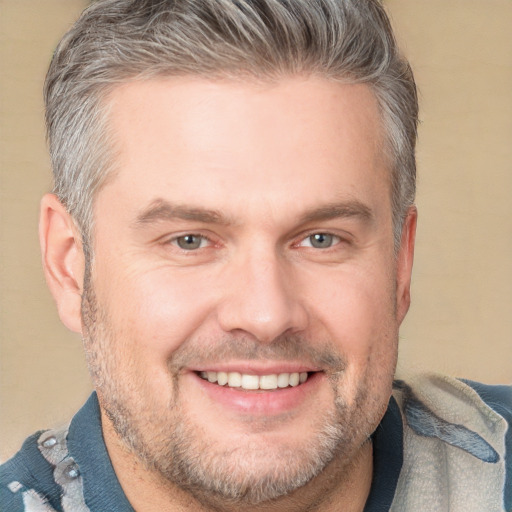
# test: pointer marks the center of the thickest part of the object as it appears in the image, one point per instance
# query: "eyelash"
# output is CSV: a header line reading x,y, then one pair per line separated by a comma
x,y
336,240
174,241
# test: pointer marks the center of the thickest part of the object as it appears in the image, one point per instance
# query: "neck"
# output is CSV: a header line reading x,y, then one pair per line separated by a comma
x,y
341,486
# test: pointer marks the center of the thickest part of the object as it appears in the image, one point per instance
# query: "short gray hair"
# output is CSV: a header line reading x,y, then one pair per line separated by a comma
x,y
116,41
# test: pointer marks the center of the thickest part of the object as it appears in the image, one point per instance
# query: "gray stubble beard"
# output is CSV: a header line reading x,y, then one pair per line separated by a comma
x,y
180,456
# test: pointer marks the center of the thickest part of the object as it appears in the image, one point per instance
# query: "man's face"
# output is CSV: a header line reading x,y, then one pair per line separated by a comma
x,y
247,238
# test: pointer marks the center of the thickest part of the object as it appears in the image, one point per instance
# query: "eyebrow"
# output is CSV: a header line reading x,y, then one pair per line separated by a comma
x,y
161,210
345,209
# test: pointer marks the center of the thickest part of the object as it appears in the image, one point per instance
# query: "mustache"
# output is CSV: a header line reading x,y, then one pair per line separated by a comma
x,y
194,352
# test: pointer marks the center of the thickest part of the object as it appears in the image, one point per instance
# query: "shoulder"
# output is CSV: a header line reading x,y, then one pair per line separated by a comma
x,y
458,432
455,399
27,480
498,398
472,416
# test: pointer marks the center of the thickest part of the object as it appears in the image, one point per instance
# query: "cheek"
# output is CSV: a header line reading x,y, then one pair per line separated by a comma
x,y
158,310
359,315
358,304
357,308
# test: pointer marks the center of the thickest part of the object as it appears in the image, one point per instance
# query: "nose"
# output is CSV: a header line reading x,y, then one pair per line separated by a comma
x,y
262,299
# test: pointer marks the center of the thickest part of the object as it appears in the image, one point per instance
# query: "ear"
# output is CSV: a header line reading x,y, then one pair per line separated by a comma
x,y
63,260
404,262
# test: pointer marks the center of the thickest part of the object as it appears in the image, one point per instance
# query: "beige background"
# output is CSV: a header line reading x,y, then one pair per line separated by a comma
x,y
461,319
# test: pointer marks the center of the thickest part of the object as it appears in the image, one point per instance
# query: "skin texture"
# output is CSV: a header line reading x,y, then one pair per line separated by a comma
x,y
253,171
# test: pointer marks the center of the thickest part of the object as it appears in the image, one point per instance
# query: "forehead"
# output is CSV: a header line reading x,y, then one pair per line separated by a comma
x,y
237,144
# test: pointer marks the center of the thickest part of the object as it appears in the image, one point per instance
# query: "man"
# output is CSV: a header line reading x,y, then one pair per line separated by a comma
x,y
232,232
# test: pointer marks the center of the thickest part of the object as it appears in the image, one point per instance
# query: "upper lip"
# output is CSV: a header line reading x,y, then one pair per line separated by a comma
x,y
257,367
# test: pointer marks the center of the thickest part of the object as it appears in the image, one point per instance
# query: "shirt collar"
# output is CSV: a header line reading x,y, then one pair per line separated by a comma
x,y
102,490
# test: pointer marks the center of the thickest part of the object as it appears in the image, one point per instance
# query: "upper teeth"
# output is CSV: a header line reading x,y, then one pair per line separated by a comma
x,y
246,381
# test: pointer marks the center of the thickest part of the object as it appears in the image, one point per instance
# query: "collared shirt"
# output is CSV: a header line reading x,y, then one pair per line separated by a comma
x,y
69,470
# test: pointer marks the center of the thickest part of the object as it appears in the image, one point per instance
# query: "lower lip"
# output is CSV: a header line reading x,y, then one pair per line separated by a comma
x,y
261,402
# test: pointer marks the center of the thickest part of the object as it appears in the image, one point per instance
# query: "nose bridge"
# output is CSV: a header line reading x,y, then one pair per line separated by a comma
x,y
261,299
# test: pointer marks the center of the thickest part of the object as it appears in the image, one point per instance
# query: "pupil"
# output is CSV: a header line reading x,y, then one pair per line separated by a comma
x,y
321,240
189,242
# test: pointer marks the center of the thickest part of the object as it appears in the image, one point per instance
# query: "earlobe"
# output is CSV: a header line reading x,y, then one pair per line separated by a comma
x,y
404,263
63,260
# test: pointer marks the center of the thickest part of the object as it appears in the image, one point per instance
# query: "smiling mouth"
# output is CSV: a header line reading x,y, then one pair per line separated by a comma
x,y
255,382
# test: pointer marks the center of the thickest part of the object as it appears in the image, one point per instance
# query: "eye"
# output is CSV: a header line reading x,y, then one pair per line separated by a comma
x,y
190,242
320,241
